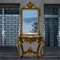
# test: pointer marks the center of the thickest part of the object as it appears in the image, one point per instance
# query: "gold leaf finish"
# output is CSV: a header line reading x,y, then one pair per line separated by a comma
x,y
21,39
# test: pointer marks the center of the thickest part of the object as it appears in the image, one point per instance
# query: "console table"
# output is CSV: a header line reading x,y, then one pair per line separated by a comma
x,y
21,40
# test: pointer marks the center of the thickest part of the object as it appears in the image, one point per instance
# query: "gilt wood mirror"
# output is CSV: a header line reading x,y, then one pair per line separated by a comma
x,y
30,23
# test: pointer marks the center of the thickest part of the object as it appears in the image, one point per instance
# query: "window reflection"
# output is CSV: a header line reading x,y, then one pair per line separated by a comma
x,y
0,10
30,19
11,10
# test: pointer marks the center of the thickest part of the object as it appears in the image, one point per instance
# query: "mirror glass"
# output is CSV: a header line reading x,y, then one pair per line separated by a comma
x,y
29,21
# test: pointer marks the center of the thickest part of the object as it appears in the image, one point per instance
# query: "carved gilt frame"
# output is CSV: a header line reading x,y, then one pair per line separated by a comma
x,y
30,6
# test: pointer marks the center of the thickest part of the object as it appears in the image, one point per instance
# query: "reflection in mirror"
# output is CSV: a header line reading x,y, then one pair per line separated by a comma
x,y
30,21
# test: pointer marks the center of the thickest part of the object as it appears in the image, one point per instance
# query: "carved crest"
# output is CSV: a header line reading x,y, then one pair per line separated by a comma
x,y
30,6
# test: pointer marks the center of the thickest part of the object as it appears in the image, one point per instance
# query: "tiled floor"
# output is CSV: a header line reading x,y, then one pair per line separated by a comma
x,y
10,53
